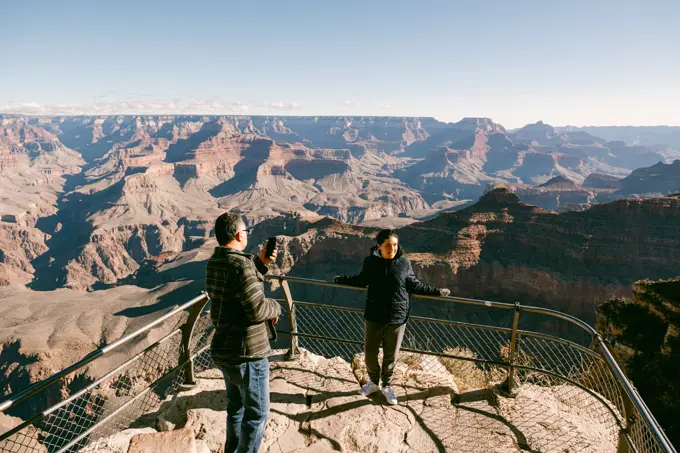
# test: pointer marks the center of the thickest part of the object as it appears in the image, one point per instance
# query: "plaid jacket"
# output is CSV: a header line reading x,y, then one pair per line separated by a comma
x,y
239,309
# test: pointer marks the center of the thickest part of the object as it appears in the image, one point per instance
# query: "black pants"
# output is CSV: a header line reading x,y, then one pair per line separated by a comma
x,y
390,336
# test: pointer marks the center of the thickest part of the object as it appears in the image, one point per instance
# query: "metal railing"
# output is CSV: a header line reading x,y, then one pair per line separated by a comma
x,y
525,356
580,368
120,397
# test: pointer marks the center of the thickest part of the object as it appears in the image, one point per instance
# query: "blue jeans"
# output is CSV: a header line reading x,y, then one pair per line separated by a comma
x,y
247,405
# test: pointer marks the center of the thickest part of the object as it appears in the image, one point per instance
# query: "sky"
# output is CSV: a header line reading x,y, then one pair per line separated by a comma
x,y
595,62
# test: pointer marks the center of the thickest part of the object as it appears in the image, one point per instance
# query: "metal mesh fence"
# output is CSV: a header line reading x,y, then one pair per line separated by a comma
x,y
118,399
330,331
571,373
441,337
203,334
642,437
575,377
114,401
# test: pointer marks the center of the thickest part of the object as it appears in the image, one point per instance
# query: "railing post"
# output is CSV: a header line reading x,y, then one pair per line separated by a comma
x,y
293,351
187,335
509,386
624,439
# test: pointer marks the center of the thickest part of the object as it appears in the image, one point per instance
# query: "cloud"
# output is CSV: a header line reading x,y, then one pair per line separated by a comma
x,y
385,106
281,105
158,107
352,103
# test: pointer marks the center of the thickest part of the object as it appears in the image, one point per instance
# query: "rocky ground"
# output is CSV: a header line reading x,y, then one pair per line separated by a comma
x,y
315,408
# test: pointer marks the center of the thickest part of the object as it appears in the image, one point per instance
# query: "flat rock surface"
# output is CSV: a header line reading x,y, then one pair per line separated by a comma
x,y
315,408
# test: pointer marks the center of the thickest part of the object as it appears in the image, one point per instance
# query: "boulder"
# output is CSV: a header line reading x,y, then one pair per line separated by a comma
x,y
179,441
118,443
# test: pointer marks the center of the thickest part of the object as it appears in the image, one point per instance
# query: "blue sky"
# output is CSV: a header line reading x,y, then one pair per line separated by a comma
x,y
596,62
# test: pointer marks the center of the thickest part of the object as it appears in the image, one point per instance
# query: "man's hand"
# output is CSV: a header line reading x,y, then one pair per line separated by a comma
x,y
336,278
444,292
267,260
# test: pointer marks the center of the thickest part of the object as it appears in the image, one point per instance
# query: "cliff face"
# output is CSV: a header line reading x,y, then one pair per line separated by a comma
x,y
34,167
502,249
658,179
645,334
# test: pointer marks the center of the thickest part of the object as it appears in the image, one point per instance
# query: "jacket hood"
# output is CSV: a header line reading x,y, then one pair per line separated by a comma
x,y
376,252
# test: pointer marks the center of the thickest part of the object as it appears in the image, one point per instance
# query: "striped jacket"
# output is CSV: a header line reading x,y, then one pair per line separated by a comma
x,y
239,310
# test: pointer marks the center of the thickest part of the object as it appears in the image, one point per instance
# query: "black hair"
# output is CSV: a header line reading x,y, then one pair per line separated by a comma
x,y
384,235
227,227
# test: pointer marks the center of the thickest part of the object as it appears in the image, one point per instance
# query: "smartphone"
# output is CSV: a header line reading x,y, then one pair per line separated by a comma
x,y
271,245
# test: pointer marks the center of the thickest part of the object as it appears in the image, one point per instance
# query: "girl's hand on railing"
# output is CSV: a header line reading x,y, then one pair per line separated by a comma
x,y
444,292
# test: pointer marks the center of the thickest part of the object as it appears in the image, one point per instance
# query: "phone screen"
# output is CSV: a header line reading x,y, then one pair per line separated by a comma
x,y
271,245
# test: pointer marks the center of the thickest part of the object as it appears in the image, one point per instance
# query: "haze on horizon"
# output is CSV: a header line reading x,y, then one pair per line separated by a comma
x,y
601,62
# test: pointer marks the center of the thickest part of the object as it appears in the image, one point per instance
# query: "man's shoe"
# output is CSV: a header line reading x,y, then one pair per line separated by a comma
x,y
389,395
369,389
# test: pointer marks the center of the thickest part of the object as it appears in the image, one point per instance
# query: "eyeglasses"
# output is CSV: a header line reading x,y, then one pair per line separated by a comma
x,y
247,230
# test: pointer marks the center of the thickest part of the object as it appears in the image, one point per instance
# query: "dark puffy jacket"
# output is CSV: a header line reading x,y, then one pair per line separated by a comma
x,y
389,284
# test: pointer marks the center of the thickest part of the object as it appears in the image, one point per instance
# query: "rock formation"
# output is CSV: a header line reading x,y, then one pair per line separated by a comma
x,y
660,179
33,170
644,332
644,135
86,200
558,194
600,181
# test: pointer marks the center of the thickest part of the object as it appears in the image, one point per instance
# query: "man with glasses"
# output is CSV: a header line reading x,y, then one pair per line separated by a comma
x,y
242,317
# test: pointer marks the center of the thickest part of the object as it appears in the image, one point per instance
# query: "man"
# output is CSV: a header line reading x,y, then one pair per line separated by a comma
x,y
242,318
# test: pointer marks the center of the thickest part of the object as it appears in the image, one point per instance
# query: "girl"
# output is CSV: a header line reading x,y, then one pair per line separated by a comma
x,y
390,278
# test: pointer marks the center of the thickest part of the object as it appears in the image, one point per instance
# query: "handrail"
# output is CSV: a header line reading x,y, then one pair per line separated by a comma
x,y
461,300
633,395
89,387
632,401
38,386
597,341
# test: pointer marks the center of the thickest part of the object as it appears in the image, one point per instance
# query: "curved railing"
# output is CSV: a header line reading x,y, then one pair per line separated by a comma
x,y
577,363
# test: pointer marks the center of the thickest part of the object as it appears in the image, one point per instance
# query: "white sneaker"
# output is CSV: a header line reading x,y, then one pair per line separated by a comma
x,y
369,389
389,395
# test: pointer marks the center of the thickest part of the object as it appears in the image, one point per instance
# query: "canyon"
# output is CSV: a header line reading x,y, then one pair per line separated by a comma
x,y
85,201
106,222
498,249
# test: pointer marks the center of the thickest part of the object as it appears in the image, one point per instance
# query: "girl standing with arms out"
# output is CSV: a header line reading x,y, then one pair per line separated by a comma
x,y
389,277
